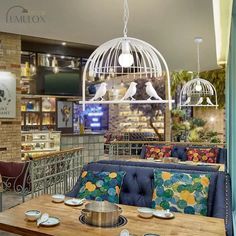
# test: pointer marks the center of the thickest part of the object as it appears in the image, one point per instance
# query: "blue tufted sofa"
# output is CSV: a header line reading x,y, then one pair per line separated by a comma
x,y
180,152
161,165
137,189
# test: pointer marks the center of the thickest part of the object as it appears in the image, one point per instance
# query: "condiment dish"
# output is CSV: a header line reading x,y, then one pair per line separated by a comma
x,y
32,215
58,198
145,212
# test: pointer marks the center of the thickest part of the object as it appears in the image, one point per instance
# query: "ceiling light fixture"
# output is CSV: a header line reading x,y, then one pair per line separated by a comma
x,y
198,92
124,56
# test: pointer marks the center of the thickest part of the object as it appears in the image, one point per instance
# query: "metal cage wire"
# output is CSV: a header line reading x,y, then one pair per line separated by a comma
x,y
147,63
198,91
104,61
190,91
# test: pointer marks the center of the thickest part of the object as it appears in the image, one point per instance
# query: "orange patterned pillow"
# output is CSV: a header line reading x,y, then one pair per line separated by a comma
x,y
158,152
208,155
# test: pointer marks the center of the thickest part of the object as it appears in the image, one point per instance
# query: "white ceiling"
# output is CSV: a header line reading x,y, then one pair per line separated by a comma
x,y
169,25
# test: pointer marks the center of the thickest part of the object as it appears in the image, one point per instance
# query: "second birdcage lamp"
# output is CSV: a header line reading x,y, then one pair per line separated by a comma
x,y
198,92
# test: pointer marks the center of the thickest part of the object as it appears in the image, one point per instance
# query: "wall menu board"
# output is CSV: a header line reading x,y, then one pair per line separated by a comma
x,y
7,95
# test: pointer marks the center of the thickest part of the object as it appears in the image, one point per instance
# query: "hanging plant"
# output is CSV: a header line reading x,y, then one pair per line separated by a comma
x,y
178,113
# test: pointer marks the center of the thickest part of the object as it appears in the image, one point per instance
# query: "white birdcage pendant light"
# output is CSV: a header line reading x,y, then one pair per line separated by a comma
x,y
198,92
125,56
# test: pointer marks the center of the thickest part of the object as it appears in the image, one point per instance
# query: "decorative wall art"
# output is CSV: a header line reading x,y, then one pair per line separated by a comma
x,y
7,95
64,114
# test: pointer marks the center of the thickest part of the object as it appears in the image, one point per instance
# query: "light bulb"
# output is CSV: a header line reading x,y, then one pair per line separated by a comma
x,y
55,69
126,60
212,119
32,69
198,87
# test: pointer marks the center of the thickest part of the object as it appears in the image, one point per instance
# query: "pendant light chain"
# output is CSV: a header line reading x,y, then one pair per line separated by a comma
x,y
198,59
126,17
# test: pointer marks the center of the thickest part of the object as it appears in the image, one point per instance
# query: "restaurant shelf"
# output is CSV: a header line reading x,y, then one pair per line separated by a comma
x,y
38,112
39,142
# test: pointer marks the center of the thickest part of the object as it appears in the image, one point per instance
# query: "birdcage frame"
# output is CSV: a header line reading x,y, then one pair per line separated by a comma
x,y
148,63
207,90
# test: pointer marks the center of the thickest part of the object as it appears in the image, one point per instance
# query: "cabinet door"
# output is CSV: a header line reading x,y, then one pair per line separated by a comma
x,y
30,113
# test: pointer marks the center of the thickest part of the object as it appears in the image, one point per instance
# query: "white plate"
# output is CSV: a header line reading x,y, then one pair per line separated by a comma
x,y
74,202
52,221
163,214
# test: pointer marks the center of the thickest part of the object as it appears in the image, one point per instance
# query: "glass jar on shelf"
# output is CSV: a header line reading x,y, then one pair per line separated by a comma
x,y
46,104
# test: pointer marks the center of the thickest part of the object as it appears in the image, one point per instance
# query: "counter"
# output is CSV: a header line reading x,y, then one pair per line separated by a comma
x,y
92,143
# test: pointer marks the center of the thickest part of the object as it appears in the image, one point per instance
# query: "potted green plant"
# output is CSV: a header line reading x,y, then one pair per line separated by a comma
x,y
177,115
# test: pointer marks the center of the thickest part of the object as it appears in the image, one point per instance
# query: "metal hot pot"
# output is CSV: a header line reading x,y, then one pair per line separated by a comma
x,y
101,213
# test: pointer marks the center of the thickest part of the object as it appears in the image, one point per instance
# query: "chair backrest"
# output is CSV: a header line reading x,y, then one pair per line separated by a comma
x,y
137,188
180,152
15,175
161,165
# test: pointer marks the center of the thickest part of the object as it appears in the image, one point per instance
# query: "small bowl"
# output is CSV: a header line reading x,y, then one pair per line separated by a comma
x,y
32,215
58,198
145,212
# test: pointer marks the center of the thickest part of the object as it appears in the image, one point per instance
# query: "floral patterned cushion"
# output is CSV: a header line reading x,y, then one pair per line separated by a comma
x,y
158,152
208,155
181,192
100,186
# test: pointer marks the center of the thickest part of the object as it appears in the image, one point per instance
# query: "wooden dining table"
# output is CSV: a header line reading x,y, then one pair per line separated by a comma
x,y
13,220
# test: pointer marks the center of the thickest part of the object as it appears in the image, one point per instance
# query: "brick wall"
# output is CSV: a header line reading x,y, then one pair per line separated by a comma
x,y
10,129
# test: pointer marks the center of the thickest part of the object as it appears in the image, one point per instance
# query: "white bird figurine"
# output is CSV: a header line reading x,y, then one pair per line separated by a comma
x,y
187,101
131,91
209,102
200,101
100,92
151,92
